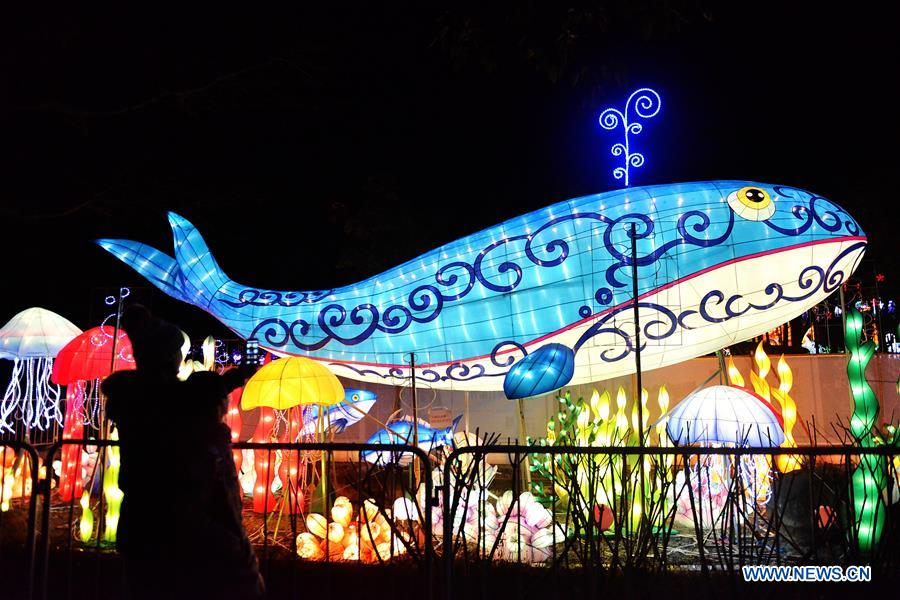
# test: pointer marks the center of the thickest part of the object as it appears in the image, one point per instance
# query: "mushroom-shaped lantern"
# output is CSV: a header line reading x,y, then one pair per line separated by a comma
x,y
31,339
283,385
548,368
80,366
724,414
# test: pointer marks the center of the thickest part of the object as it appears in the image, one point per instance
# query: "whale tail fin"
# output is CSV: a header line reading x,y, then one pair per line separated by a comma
x,y
192,276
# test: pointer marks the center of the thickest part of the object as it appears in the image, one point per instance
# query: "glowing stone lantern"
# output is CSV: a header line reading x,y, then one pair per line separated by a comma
x,y
31,339
283,385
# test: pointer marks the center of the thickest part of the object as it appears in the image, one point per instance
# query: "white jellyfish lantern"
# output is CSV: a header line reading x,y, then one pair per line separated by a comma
x,y
31,339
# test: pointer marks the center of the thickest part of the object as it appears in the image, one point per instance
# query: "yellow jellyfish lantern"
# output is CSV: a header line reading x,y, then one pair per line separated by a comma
x,y
289,382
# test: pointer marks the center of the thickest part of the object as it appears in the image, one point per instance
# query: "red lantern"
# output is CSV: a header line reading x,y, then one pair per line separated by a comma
x,y
291,471
90,356
87,357
71,482
235,423
263,463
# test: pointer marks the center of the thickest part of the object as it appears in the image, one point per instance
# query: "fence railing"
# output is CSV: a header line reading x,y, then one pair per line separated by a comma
x,y
296,514
503,519
19,484
591,513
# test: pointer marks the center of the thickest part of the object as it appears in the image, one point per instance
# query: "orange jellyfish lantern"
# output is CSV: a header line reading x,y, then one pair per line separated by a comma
x,y
80,365
288,384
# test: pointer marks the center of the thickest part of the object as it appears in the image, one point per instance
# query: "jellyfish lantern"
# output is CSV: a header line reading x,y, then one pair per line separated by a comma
x,y
31,339
723,415
80,366
288,384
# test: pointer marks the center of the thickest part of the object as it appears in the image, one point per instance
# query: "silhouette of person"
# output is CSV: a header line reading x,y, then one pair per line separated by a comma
x,y
180,532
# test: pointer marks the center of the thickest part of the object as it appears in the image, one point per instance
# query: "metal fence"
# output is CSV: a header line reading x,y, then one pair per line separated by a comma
x,y
292,520
592,514
524,520
19,482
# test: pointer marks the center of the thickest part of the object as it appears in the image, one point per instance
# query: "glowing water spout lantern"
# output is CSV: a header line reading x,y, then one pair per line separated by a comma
x,y
718,263
643,103
80,364
31,339
722,414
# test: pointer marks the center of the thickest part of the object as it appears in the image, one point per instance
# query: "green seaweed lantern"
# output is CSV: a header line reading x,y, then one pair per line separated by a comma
x,y
868,479
112,492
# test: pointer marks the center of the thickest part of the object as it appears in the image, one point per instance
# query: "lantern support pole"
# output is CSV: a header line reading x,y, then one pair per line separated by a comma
x,y
112,360
323,479
637,336
638,388
415,417
466,409
526,465
843,317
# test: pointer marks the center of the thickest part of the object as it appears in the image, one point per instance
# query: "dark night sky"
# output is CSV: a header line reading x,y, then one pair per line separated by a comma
x,y
314,149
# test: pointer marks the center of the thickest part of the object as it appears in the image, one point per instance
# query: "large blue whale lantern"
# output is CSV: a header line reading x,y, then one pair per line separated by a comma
x,y
718,262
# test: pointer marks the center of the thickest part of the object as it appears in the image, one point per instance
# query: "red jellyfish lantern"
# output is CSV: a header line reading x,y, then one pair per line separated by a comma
x,y
234,422
263,467
80,365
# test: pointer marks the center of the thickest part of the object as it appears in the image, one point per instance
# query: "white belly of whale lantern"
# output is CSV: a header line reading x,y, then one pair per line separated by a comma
x,y
718,262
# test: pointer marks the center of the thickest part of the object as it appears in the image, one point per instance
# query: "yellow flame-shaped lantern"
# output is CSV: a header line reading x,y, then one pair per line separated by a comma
x,y
663,400
763,365
595,403
621,419
188,366
785,462
605,431
734,375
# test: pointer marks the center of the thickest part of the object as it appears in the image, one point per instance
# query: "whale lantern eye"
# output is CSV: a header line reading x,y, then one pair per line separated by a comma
x,y
355,397
752,203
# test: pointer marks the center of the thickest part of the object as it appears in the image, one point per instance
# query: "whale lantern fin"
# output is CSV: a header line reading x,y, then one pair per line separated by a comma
x,y
157,267
455,423
195,260
339,425
548,368
192,276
